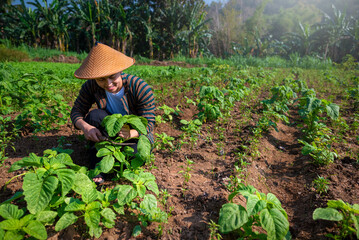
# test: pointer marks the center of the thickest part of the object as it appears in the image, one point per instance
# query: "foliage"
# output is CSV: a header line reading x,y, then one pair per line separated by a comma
x,y
261,210
12,55
116,150
320,185
345,214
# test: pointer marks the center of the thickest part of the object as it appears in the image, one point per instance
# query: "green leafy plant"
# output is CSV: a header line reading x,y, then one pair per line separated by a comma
x,y
7,134
15,224
321,185
211,103
168,111
345,214
262,210
116,153
163,141
192,130
186,172
213,228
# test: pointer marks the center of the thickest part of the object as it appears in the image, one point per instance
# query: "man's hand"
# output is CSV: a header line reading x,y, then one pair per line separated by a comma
x,y
127,133
91,133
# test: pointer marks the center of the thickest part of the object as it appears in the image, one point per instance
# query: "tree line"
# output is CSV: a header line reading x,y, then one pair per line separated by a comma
x,y
161,29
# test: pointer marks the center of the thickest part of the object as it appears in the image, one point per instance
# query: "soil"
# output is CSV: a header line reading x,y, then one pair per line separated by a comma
x,y
280,169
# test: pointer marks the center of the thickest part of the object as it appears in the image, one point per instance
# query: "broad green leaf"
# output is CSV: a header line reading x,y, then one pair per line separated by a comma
x,y
106,164
26,219
119,209
38,193
275,223
95,231
31,161
129,175
119,156
328,213
338,204
83,184
113,124
141,190
75,205
109,215
46,216
13,235
103,152
93,206
2,234
90,196
144,148
125,194
36,229
92,219
147,176
333,111
10,211
231,217
66,220
152,186
149,202
137,124
11,224
255,205
67,179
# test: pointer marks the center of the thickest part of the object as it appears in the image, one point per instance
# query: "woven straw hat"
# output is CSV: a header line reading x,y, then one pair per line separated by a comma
x,y
103,61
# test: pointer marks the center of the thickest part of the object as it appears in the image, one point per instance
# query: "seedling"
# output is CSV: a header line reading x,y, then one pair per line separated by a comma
x,y
321,185
186,173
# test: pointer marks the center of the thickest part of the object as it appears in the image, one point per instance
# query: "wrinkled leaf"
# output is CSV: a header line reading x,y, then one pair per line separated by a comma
x,y
330,214
38,192
125,194
106,164
67,178
11,224
231,217
66,220
36,229
275,223
10,211
46,216
83,184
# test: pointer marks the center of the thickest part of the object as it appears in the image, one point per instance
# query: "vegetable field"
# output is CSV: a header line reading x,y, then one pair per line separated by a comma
x,y
240,153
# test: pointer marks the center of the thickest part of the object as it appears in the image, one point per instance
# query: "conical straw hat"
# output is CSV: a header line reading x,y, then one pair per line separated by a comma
x,y
103,61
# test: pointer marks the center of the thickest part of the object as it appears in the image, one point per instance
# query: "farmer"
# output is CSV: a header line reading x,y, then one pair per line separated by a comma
x,y
114,92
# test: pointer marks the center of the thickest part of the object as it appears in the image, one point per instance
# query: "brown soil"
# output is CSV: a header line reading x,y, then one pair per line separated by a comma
x,y
280,169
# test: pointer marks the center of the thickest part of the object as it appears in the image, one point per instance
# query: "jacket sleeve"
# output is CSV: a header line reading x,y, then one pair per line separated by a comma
x,y
145,104
83,102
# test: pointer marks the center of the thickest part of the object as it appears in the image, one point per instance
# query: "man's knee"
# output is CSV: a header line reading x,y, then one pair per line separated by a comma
x,y
95,117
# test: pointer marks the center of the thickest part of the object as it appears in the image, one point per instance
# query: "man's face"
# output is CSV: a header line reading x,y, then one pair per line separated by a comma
x,y
112,84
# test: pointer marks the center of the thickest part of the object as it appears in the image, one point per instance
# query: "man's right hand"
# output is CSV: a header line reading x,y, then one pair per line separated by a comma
x,y
91,133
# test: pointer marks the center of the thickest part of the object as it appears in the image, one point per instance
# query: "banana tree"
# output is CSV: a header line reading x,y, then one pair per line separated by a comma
x,y
55,18
28,24
171,21
196,29
301,41
332,32
87,14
